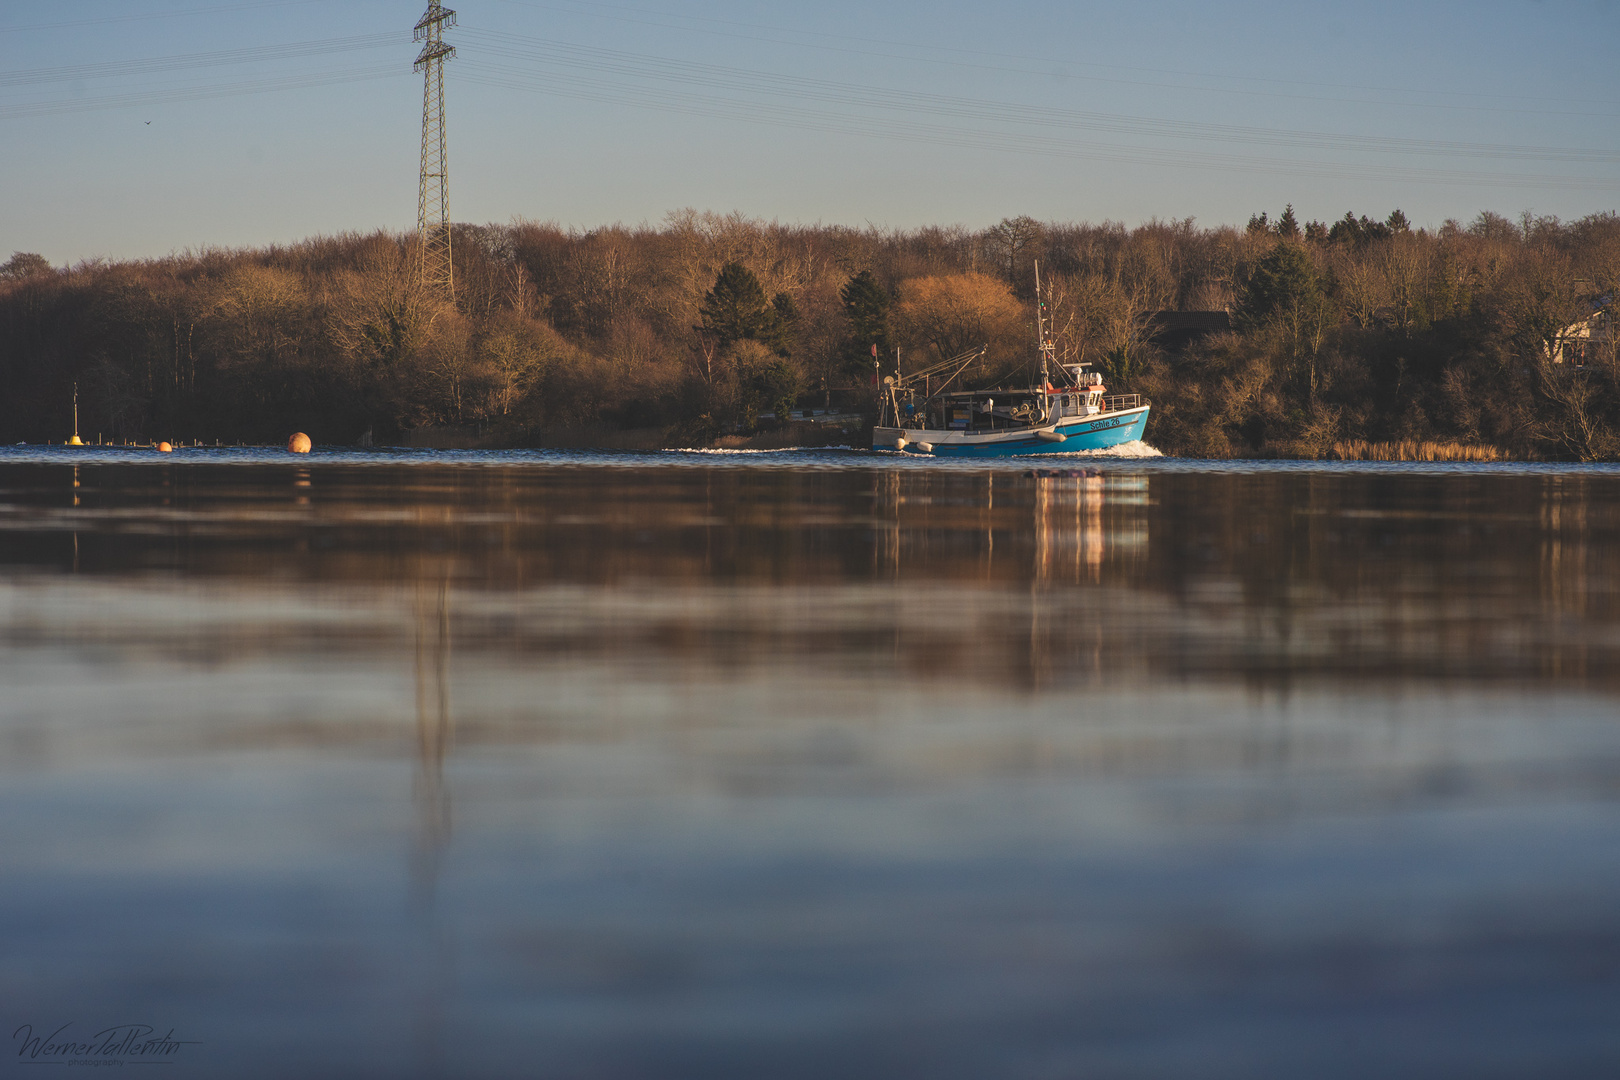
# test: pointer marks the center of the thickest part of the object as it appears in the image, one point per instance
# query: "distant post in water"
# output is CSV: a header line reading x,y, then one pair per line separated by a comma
x,y
433,197
75,441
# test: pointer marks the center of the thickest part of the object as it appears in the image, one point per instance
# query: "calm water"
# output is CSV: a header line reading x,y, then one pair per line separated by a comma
x,y
810,765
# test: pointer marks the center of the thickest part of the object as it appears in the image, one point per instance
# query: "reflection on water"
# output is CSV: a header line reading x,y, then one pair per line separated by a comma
x,y
813,766
432,798
432,726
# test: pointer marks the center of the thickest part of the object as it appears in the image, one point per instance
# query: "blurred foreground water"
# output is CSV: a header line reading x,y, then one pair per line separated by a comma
x,y
810,765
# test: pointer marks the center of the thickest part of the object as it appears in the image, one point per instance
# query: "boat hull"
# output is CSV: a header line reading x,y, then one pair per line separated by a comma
x,y
1087,433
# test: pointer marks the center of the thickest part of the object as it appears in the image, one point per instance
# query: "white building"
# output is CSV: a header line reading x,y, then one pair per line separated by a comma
x,y
1582,341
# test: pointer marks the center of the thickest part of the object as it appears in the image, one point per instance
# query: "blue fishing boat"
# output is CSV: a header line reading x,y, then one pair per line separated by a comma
x,y
1067,409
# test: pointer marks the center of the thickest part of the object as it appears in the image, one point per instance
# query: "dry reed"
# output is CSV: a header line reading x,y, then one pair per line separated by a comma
x,y
1412,450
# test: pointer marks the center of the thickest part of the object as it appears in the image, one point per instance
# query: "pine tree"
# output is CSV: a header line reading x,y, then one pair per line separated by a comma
x,y
736,308
1359,232
1283,279
867,306
1288,225
1285,292
783,332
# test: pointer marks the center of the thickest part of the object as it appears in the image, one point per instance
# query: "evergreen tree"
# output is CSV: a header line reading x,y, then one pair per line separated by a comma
x,y
1359,232
776,386
867,306
1284,279
1286,294
783,333
736,307
1345,230
1288,225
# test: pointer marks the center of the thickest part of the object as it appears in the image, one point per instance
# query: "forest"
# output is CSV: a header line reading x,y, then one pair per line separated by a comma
x,y
1495,334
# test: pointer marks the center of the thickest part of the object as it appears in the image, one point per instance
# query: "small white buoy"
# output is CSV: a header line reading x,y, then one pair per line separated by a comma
x,y
925,447
1050,436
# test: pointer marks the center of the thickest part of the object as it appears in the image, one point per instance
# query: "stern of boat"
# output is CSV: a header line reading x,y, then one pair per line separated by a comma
x,y
888,438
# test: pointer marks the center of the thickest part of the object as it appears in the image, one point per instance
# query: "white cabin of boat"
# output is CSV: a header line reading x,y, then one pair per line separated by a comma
x,y
999,410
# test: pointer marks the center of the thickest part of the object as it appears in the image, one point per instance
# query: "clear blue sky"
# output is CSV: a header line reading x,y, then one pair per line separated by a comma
x,y
138,129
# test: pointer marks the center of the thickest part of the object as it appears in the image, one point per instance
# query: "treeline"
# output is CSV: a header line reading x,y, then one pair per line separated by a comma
x,y
707,325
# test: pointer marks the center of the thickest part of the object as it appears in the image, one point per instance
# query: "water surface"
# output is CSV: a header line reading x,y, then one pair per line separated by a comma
x,y
811,764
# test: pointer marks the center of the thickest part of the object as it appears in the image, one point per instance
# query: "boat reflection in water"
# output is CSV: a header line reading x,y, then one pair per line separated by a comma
x,y
801,764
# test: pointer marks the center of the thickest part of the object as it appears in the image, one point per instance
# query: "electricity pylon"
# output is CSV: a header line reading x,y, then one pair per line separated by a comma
x,y
433,198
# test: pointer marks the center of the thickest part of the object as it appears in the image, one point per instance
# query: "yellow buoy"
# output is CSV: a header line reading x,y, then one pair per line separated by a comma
x,y
75,441
299,443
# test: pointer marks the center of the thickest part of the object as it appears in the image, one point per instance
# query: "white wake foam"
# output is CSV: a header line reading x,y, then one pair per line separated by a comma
x,y
1134,449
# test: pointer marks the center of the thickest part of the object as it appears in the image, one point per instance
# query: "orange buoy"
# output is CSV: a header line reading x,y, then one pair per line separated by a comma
x,y
299,443
164,448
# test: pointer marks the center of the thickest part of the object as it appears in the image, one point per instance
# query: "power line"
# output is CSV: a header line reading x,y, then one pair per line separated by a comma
x,y
197,93
147,15
774,98
115,69
596,11
667,85
663,69
686,103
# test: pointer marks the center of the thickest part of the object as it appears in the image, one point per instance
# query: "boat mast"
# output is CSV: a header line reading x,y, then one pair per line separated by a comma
x,y
877,381
1046,346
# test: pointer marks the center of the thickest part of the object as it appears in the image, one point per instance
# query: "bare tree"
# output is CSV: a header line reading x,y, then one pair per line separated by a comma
x,y
955,313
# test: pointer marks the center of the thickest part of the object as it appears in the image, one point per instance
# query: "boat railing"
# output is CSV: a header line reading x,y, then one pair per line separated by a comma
x,y
1116,402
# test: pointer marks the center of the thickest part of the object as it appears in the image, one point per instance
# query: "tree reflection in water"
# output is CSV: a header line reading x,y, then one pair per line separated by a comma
x,y
805,763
